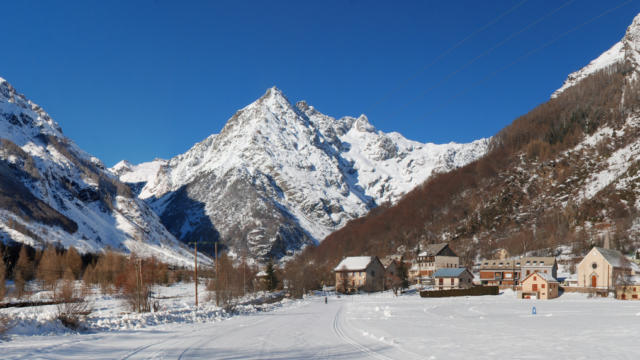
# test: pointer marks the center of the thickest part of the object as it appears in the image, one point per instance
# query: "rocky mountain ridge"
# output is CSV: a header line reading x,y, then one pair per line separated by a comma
x,y
51,191
281,176
627,50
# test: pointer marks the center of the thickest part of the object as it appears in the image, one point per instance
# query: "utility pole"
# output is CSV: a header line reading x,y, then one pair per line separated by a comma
x,y
195,276
215,247
195,263
139,282
216,255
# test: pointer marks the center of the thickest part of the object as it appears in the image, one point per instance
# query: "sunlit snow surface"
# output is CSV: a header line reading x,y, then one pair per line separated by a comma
x,y
378,326
627,49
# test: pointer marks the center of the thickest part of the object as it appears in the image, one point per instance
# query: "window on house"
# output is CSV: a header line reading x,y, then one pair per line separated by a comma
x,y
544,285
451,281
534,278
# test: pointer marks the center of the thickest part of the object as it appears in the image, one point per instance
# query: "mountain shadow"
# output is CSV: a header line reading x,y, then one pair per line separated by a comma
x,y
187,220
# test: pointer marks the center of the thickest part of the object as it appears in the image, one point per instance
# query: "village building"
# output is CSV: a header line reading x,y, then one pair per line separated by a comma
x,y
510,272
604,269
629,289
434,257
541,286
359,273
453,278
570,281
539,264
393,270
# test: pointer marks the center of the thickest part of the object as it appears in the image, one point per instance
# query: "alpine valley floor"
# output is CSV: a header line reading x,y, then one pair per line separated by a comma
x,y
379,326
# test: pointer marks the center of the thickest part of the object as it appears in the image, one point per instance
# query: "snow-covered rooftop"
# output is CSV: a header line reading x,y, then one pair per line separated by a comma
x,y
354,263
614,257
547,277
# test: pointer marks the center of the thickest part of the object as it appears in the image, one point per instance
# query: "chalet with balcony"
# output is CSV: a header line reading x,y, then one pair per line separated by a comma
x,y
434,257
359,273
509,272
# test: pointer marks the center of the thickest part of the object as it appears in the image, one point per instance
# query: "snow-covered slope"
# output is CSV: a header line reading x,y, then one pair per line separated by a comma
x,y
279,176
51,191
626,50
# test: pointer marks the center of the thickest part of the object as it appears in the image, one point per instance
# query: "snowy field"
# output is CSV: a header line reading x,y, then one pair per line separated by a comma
x,y
378,326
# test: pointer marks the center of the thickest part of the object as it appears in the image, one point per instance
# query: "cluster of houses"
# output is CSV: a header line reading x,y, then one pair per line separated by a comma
x,y
437,267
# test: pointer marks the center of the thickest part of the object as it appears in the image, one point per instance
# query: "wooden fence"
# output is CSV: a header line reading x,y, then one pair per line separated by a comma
x,y
474,291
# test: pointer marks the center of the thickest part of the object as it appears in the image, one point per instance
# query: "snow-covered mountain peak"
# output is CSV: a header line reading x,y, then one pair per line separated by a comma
x,y
26,116
122,166
631,39
626,50
53,191
274,100
362,124
279,176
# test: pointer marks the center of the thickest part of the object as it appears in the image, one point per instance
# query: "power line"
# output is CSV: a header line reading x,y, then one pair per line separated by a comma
x,y
446,52
486,52
526,55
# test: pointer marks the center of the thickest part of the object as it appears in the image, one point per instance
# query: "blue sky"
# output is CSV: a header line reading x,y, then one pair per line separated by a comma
x,y
142,79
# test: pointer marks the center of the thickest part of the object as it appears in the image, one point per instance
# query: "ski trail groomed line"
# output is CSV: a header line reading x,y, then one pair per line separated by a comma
x,y
339,331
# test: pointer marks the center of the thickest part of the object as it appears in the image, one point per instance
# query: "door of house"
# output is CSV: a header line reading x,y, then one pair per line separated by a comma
x,y
594,281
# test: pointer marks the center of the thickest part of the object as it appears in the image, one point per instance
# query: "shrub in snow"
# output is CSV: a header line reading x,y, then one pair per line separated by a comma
x,y
5,324
73,308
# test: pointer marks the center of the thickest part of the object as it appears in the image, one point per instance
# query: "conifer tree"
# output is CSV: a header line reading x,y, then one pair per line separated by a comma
x,y
50,268
272,280
23,271
73,261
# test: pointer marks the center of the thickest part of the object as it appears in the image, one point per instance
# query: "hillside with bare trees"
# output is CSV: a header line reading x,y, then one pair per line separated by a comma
x,y
556,176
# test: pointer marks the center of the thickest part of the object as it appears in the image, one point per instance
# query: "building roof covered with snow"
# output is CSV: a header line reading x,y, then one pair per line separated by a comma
x,y
614,257
548,277
355,263
527,261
